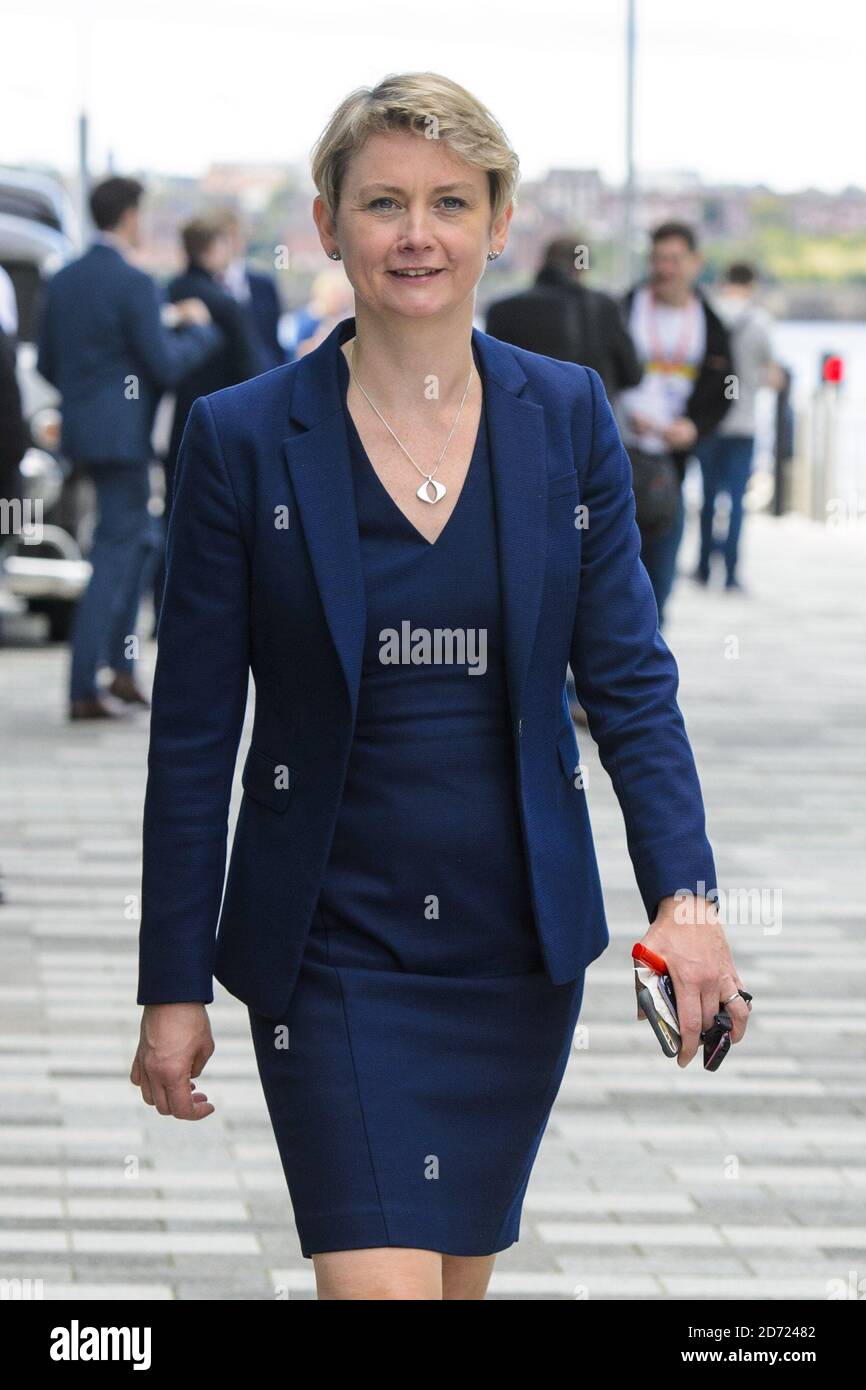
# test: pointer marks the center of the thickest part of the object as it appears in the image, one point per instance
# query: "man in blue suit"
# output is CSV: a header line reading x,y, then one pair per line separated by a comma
x,y
256,294
102,343
207,249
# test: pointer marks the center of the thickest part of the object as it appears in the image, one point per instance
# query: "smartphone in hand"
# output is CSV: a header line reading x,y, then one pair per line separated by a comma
x,y
657,1000
717,1038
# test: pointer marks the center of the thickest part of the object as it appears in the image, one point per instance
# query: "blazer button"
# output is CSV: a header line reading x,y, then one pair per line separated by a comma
x,y
519,727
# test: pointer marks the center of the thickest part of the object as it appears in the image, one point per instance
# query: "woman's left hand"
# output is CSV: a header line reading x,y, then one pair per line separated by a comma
x,y
687,933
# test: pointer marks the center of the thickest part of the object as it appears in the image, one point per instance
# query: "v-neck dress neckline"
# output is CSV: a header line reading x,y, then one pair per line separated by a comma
x,y
361,454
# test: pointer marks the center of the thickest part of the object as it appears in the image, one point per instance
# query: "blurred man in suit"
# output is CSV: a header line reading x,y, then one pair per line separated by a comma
x,y
561,317
208,253
102,343
256,293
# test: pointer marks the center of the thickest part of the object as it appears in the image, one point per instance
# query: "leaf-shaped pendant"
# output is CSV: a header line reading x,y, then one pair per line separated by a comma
x,y
439,489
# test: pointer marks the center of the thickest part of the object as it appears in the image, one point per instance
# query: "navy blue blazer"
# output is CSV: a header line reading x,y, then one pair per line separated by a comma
x,y
263,573
101,328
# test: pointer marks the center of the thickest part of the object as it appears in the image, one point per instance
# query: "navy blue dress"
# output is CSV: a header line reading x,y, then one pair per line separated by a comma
x,y
410,1081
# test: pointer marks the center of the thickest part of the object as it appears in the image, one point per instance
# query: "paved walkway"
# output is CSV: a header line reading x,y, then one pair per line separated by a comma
x,y
651,1182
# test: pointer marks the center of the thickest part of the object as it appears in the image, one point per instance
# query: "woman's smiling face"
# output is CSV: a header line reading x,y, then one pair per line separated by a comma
x,y
409,203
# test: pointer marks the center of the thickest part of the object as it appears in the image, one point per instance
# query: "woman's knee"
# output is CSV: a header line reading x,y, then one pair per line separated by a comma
x,y
386,1273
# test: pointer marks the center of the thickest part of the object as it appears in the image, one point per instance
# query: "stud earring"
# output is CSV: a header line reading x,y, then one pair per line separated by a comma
x,y
335,255
491,255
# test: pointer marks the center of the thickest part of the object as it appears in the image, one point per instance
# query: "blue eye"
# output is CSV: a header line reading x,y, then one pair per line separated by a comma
x,y
449,198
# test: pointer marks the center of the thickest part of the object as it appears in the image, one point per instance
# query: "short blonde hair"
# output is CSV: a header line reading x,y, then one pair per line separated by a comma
x,y
420,101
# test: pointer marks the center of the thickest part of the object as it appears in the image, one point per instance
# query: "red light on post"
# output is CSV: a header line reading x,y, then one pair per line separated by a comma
x,y
833,369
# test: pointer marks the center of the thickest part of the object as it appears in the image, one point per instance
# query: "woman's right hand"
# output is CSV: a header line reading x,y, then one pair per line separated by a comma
x,y
173,1047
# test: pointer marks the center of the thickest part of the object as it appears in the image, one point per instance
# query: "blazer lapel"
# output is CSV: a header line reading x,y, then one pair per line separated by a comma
x,y
517,460
321,470
320,467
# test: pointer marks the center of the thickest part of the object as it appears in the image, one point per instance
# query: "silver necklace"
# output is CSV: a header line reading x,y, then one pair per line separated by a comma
x,y
439,489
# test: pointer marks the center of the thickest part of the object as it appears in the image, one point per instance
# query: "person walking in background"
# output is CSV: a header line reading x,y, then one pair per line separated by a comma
x,y
726,455
558,316
561,317
681,397
255,292
330,301
103,346
208,250
208,253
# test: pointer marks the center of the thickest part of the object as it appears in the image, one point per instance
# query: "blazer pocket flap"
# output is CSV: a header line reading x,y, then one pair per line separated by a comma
x,y
562,483
569,753
268,780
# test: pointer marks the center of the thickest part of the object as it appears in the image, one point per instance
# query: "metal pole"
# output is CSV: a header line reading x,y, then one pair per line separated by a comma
x,y
84,50
83,181
783,447
626,259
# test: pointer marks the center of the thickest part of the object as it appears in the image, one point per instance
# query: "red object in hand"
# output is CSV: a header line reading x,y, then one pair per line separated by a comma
x,y
648,957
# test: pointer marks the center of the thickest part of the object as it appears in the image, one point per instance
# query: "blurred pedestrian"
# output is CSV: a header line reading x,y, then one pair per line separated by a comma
x,y
561,317
103,345
681,397
208,254
331,299
726,455
208,251
255,292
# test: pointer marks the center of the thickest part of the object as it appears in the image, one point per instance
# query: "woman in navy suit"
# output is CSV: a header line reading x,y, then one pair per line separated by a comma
x,y
406,536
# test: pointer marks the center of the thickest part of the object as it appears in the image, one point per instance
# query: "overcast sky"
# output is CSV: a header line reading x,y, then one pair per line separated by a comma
x,y
747,91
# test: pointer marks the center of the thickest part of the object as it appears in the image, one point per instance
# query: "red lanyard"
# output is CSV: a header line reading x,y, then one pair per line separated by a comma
x,y
676,358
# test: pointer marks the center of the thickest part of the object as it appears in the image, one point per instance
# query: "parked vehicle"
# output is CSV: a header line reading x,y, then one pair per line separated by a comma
x,y
42,566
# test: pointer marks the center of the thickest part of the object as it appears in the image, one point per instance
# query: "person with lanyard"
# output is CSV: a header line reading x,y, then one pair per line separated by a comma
x,y
685,389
